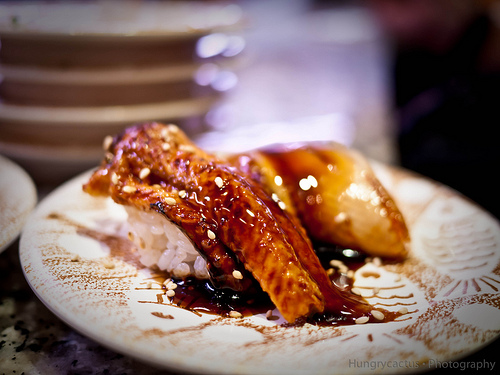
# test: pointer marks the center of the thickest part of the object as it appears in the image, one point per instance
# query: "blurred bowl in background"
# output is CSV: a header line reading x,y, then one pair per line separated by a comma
x,y
103,87
87,126
74,72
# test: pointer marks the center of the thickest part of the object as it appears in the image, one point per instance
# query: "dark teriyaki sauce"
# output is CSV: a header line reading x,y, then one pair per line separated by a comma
x,y
200,296
354,259
342,277
348,261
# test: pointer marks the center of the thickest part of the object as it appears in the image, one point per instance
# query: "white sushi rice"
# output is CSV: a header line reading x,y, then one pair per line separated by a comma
x,y
161,243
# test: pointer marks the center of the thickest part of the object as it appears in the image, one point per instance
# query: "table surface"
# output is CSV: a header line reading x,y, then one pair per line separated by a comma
x,y
302,74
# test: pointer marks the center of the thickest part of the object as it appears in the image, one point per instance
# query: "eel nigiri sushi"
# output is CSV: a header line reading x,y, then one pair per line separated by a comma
x,y
334,192
209,219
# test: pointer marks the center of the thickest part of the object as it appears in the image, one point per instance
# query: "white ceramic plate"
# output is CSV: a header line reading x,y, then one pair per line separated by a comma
x,y
17,199
449,284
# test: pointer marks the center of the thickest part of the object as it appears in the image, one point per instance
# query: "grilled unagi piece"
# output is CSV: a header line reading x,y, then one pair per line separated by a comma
x,y
234,224
334,192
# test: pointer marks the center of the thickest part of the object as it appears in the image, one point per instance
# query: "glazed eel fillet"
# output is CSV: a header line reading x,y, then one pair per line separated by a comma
x,y
230,218
334,192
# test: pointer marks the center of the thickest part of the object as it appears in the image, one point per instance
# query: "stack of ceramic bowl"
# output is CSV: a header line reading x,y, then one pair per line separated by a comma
x,y
73,73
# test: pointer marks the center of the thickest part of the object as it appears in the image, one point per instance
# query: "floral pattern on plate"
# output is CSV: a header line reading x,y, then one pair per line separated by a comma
x,y
77,258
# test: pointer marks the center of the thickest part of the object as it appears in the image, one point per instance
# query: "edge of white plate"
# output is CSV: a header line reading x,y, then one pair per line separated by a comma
x,y
18,205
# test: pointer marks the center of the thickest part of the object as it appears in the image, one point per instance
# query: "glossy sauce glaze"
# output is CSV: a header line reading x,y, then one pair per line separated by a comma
x,y
246,237
334,192
200,296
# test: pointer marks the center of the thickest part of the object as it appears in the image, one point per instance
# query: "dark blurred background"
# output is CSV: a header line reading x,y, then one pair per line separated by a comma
x,y
445,72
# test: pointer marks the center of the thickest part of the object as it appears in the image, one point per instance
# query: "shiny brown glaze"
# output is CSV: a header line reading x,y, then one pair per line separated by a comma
x,y
334,192
229,217
199,296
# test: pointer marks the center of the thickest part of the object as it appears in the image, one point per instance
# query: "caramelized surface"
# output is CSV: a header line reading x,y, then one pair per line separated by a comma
x,y
335,194
234,223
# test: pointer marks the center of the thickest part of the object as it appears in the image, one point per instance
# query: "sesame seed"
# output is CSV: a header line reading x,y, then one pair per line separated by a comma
x,y
171,285
340,218
377,314
182,193
362,320
237,275
173,128
235,314
114,178
356,291
165,146
211,234
375,291
108,156
337,263
108,264
343,270
129,189
187,148
149,284
269,314
170,293
218,181
403,310
75,258
144,173
164,133
377,261
330,271
106,143
282,205
167,281
170,201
